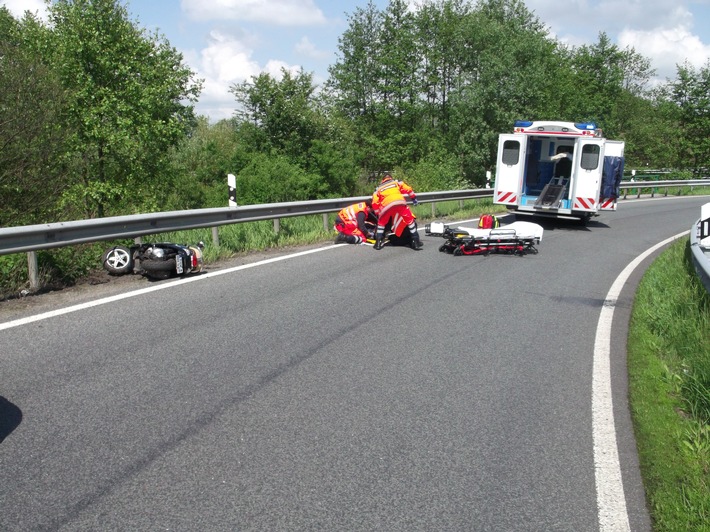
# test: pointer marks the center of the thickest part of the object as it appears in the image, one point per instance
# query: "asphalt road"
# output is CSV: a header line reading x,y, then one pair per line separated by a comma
x,y
339,389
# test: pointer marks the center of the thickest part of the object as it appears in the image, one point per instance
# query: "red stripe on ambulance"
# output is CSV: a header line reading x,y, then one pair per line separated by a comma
x,y
506,197
608,203
584,203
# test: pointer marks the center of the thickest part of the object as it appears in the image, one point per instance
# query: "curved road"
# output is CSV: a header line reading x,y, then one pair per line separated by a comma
x,y
337,389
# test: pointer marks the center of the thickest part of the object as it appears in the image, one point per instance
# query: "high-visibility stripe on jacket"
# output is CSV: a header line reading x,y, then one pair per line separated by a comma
x,y
353,216
349,213
390,193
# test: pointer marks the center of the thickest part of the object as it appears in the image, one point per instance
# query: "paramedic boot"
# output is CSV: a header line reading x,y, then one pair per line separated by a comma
x,y
416,242
378,242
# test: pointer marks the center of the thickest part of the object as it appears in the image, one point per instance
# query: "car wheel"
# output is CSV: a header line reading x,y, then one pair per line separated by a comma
x,y
118,260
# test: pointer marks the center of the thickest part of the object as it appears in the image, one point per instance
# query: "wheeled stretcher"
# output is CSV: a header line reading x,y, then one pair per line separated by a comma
x,y
518,238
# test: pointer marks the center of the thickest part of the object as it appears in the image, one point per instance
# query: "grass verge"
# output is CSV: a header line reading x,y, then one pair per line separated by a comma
x,y
669,387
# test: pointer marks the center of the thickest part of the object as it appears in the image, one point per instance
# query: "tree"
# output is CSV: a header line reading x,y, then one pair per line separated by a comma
x,y
285,110
126,108
510,72
442,45
287,119
690,93
31,139
355,78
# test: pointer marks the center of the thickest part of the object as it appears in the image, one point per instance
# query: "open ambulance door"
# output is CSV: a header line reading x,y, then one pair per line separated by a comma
x,y
510,168
587,174
612,174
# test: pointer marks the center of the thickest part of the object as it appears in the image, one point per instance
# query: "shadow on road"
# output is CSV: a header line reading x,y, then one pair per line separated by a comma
x,y
10,418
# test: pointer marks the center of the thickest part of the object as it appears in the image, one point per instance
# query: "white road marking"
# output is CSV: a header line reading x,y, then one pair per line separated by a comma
x,y
611,501
161,286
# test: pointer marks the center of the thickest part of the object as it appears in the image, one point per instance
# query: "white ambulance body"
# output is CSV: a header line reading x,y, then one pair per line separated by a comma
x,y
558,169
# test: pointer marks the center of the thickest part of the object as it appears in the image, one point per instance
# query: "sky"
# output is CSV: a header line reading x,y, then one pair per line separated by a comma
x,y
227,41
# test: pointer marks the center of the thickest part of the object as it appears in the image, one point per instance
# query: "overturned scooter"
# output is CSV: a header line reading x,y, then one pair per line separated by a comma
x,y
160,260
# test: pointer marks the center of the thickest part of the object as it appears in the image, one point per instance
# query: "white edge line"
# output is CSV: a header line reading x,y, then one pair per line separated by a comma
x,y
118,297
126,295
611,501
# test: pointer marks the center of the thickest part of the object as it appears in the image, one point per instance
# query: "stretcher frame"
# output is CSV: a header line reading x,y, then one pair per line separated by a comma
x,y
518,238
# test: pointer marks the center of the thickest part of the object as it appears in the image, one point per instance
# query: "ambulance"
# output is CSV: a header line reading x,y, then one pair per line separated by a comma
x,y
558,169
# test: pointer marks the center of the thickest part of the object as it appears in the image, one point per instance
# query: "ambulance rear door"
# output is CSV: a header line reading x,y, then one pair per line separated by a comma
x,y
587,174
510,169
612,175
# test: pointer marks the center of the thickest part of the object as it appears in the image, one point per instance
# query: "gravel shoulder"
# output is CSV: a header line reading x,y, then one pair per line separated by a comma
x,y
99,284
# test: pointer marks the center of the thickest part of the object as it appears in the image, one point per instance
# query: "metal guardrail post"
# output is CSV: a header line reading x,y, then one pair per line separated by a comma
x,y
33,270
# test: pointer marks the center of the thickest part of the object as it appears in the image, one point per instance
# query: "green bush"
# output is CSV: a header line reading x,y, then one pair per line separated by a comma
x,y
273,179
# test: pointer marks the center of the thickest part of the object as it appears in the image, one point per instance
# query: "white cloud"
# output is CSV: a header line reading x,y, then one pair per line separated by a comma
x,y
18,7
276,12
667,47
224,62
661,30
306,48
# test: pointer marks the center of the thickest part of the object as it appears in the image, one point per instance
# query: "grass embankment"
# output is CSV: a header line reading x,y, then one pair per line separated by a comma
x,y
669,387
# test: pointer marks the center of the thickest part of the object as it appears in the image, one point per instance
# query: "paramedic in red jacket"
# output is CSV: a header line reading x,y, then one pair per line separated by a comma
x,y
389,203
350,223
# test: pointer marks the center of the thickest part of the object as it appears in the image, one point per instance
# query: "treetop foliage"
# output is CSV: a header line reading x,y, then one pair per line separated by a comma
x,y
97,117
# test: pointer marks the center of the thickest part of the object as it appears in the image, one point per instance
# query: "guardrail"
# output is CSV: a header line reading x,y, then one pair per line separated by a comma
x,y
640,186
32,238
53,235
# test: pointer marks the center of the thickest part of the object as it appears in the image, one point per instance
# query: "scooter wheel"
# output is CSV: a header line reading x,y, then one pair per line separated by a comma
x,y
150,265
118,260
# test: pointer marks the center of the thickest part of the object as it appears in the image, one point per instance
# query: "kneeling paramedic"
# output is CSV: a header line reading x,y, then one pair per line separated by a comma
x,y
350,223
390,203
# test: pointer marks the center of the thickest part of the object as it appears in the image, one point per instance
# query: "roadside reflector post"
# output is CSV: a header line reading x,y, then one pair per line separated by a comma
x,y
232,185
